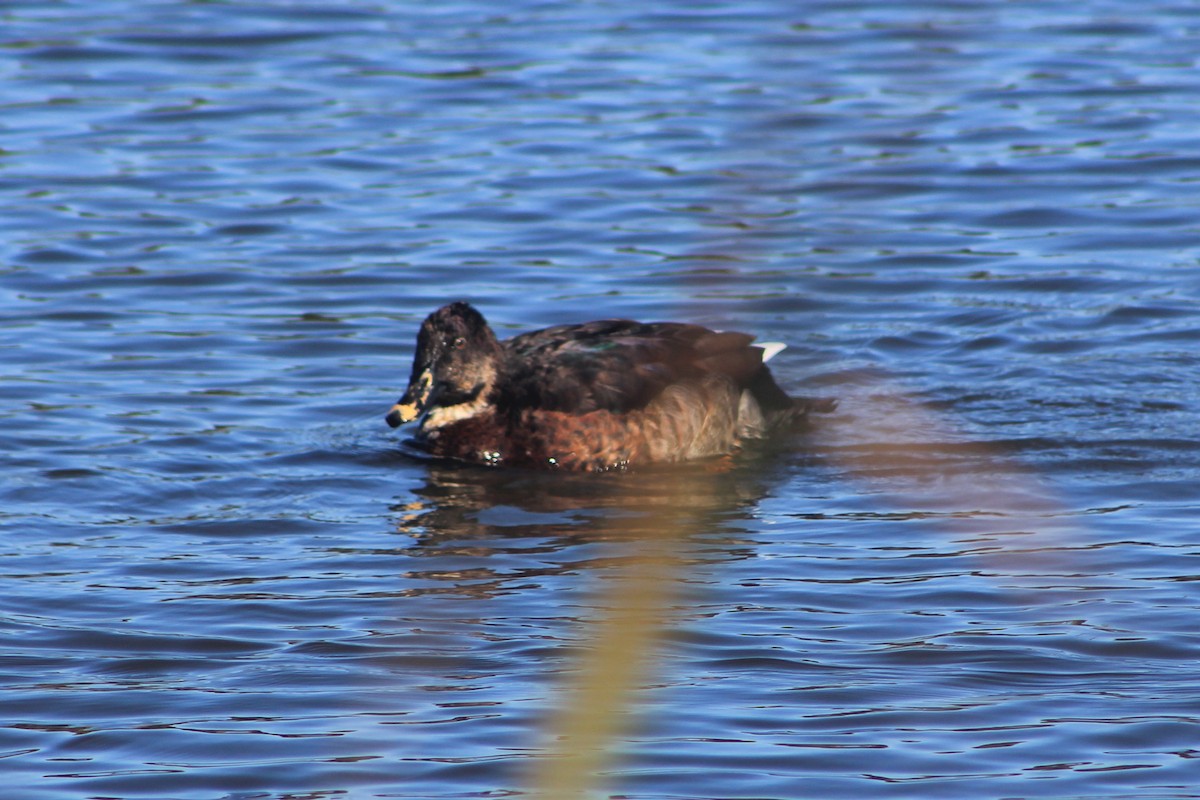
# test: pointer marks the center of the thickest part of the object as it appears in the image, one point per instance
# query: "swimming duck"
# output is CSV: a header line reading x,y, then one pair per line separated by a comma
x,y
610,394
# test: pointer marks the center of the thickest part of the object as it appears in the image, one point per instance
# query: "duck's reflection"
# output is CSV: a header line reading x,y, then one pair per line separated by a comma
x,y
474,507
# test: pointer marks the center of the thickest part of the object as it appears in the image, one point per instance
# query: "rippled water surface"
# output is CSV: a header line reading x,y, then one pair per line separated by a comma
x,y
975,223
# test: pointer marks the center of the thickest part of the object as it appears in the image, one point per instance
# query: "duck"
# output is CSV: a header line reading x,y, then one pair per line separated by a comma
x,y
612,394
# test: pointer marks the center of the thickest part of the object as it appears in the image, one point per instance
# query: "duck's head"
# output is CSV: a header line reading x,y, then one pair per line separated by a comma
x,y
453,369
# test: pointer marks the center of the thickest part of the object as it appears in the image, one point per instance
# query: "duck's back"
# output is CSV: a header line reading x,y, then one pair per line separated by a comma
x,y
620,365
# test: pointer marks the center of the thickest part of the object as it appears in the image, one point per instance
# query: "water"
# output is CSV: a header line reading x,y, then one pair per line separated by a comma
x,y
975,223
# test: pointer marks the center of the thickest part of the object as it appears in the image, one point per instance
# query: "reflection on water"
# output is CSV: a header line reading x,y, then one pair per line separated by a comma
x,y
458,501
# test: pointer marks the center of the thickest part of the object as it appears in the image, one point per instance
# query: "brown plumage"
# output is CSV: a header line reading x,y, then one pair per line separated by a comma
x,y
600,395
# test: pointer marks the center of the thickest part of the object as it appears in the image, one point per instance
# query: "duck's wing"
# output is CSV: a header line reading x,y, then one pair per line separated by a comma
x,y
619,365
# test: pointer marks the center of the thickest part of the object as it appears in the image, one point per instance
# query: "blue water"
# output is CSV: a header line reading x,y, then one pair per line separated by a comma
x,y
222,576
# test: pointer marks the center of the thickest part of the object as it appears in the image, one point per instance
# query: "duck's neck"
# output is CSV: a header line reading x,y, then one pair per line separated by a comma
x,y
478,401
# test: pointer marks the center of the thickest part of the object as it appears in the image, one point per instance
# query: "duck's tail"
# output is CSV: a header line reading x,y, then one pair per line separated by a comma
x,y
803,406
765,408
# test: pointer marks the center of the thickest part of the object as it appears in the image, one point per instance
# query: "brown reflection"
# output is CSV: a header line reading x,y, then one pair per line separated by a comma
x,y
928,466
459,504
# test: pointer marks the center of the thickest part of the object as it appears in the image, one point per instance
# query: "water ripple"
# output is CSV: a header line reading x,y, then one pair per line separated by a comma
x,y
973,224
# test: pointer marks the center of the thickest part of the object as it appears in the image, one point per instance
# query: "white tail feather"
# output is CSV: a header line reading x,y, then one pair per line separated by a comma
x,y
770,349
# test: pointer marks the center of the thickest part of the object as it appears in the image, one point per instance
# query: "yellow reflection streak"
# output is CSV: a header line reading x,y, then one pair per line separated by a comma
x,y
620,653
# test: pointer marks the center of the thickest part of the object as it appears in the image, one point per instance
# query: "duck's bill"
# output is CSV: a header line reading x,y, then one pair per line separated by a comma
x,y
416,399
402,413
